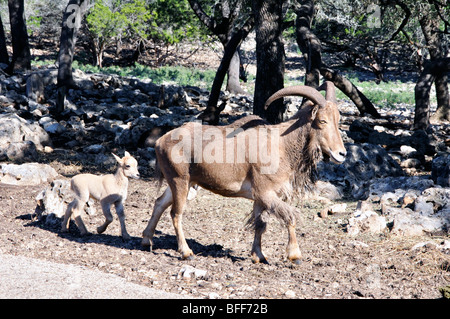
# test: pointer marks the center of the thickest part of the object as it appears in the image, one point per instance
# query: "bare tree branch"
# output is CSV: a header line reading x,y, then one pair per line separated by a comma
x,y
404,21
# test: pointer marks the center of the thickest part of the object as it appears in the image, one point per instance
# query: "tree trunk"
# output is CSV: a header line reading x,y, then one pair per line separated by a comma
x,y
430,25
233,84
71,23
223,29
4,56
308,43
211,114
443,100
137,53
21,59
431,71
311,48
269,58
99,55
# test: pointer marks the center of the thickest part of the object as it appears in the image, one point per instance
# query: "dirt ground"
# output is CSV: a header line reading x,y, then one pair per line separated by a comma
x,y
334,264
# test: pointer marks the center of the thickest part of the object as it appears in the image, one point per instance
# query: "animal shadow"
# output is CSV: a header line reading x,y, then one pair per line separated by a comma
x,y
161,241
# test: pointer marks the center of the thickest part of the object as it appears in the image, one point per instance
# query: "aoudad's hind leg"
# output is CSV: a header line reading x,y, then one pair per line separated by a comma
x,y
273,204
260,227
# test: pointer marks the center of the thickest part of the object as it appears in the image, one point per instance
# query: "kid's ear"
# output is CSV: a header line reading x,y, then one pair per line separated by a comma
x,y
127,154
118,159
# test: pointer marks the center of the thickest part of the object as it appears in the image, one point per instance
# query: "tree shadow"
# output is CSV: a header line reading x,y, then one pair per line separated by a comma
x,y
161,241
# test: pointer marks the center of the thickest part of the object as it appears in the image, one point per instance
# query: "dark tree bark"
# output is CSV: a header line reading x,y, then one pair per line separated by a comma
x,y
21,59
442,96
222,27
211,114
308,43
361,101
311,48
432,70
270,58
430,25
71,23
4,56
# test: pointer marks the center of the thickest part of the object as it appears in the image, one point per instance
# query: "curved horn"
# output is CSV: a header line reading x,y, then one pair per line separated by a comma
x,y
299,90
330,91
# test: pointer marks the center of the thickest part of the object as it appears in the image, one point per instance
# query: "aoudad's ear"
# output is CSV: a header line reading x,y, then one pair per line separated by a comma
x,y
314,111
127,154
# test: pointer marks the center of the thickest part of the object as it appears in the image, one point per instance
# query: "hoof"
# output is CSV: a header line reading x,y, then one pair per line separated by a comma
x,y
189,256
146,244
260,261
296,261
148,248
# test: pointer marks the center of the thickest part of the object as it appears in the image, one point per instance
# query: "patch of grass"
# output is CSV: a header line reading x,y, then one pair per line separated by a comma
x,y
163,75
383,95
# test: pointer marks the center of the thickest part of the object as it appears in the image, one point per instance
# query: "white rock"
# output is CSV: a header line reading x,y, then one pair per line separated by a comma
x,y
187,272
29,174
337,208
406,150
213,295
290,294
367,221
14,129
54,128
443,246
54,198
409,223
357,244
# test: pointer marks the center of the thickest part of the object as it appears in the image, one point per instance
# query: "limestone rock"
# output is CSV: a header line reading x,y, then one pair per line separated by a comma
x,y
367,221
26,174
53,200
363,163
19,133
188,272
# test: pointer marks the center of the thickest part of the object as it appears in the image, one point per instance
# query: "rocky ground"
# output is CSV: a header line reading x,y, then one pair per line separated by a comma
x,y
377,226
